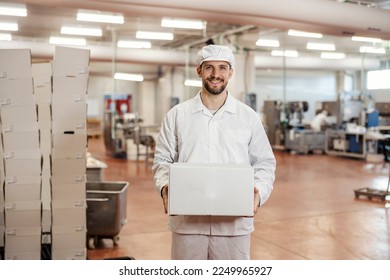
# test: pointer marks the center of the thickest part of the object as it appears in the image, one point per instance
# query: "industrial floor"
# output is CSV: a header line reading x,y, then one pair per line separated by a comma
x,y
312,213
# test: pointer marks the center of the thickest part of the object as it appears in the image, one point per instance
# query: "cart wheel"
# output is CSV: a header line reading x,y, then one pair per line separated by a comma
x,y
91,243
115,239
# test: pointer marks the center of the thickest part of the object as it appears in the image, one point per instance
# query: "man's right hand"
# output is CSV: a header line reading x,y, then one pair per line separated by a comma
x,y
164,194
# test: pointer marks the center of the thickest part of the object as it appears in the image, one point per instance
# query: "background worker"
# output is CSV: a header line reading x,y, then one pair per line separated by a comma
x,y
213,127
319,121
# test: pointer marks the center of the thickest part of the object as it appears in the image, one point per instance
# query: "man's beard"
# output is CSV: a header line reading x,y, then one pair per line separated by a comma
x,y
214,91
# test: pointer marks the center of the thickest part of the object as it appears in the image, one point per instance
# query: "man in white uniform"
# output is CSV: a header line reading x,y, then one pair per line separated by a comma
x,y
319,121
213,127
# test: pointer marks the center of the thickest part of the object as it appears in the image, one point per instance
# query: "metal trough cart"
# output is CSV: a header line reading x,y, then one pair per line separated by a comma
x,y
106,210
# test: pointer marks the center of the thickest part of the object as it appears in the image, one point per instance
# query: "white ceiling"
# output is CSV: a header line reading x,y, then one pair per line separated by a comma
x,y
237,23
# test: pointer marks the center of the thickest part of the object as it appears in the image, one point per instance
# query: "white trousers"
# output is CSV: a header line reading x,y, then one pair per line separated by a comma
x,y
207,247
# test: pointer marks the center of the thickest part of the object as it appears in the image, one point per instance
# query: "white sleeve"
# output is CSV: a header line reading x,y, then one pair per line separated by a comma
x,y
165,152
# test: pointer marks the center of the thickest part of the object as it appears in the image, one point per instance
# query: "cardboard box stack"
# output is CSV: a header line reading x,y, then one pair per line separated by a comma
x,y
68,154
21,157
42,77
43,112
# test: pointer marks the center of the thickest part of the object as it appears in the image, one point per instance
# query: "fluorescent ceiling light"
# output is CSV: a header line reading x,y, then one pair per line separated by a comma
x,y
320,46
298,33
8,9
81,31
368,49
154,35
366,39
332,55
67,41
95,16
9,26
181,23
5,37
378,79
129,77
267,43
134,44
286,53
193,83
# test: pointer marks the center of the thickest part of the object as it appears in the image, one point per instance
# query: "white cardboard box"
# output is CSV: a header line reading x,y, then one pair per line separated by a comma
x,y
69,142
43,95
65,237
41,71
73,254
69,212
2,230
70,62
34,255
68,168
22,188
18,114
21,140
70,87
16,92
211,189
15,63
23,214
69,111
23,162
76,127
75,191
20,127
68,180
22,239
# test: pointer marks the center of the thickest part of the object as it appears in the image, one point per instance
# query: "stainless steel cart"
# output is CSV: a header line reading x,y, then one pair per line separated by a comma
x,y
106,210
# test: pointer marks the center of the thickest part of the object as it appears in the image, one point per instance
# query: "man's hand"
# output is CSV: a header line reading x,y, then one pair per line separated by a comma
x,y
164,194
257,200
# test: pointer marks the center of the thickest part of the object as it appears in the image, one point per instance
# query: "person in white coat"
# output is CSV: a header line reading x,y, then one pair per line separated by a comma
x,y
213,127
320,120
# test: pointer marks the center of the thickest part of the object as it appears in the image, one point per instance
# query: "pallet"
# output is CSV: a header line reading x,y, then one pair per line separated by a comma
x,y
372,193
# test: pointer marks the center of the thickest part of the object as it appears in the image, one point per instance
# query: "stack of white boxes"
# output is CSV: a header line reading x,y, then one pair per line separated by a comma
x,y
2,228
21,157
42,77
68,155
43,112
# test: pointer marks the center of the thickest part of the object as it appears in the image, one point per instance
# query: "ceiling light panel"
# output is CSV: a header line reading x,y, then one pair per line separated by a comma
x,y
285,53
366,39
298,33
154,35
67,41
9,26
181,23
5,37
129,77
8,9
267,43
193,83
69,30
368,49
95,16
